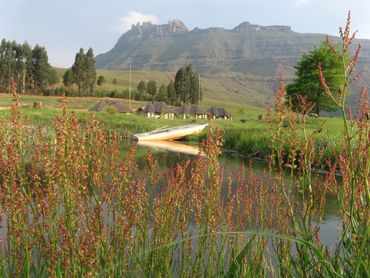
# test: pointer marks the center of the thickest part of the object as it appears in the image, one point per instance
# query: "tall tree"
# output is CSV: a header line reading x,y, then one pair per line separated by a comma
x,y
7,63
195,92
171,93
141,87
40,68
79,71
152,89
162,93
180,85
187,85
91,72
53,77
23,56
307,82
68,79
28,67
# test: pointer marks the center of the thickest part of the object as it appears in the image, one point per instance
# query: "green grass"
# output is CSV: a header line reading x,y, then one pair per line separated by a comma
x,y
250,137
234,87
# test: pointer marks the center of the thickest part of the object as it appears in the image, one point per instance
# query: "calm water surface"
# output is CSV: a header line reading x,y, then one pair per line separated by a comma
x,y
169,155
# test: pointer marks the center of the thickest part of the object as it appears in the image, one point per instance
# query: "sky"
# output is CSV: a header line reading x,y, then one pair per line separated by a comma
x,y
64,26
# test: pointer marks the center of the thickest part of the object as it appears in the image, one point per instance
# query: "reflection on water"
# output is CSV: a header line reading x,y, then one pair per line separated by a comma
x,y
170,146
169,154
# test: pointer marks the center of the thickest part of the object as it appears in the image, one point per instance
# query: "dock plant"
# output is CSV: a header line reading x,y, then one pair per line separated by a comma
x,y
71,206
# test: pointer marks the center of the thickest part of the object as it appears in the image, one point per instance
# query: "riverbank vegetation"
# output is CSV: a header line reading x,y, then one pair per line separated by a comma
x,y
246,134
70,206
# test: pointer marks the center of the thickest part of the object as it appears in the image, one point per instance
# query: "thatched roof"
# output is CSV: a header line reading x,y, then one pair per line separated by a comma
x,y
191,110
105,103
156,107
218,112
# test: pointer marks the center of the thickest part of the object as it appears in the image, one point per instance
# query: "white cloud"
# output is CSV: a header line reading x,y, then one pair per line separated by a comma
x,y
302,2
133,17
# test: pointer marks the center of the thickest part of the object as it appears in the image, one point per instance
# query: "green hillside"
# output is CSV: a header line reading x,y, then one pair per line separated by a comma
x,y
231,87
242,64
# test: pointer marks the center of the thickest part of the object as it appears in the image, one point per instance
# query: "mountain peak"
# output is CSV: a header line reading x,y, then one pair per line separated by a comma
x,y
177,25
173,26
246,26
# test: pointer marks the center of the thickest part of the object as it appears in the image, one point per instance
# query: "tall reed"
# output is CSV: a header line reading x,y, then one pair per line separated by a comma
x,y
71,206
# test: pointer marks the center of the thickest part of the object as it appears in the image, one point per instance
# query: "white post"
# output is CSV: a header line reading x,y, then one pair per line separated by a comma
x,y
199,88
129,90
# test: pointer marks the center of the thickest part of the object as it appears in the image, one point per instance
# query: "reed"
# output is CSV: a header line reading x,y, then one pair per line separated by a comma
x,y
73,207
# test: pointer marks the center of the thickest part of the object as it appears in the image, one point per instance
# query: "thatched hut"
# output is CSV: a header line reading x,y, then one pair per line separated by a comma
x,y
157,110
219,112
104,104
188,111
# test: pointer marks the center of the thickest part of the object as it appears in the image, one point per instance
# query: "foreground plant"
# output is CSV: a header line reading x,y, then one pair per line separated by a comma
x,y
73,207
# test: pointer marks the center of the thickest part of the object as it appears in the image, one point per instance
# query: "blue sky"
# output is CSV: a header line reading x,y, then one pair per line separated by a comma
x,y
63,26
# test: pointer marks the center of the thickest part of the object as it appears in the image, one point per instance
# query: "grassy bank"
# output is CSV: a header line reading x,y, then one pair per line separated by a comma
x,y
245,134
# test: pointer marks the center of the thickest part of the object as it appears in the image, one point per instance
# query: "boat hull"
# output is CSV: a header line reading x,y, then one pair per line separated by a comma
x,y
167,134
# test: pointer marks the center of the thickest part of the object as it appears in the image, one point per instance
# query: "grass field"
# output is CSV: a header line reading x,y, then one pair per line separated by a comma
x,y
234,87
244,134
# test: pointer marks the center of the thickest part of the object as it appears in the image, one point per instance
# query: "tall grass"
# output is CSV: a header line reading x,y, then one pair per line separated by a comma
x,y
72,207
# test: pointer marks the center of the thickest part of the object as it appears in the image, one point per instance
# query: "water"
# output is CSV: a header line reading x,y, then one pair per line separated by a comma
x,y
169,154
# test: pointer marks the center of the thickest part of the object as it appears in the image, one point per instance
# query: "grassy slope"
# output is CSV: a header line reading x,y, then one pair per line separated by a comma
x,y
230,87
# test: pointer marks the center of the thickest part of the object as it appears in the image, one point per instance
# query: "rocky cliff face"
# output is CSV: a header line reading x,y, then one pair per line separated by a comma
x,y
149,30
246,27
247,48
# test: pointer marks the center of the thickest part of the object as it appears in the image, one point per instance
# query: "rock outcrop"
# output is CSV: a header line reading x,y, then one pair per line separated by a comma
x,y
246,26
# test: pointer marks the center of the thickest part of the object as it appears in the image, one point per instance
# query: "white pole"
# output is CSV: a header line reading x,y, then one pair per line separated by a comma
x,y
199,88
129,90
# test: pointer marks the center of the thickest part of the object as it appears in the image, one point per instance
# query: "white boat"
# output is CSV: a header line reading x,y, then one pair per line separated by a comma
x,y
171,133
171,146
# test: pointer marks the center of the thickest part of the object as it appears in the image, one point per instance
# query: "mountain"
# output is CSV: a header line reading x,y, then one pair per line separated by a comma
x,y
247,48
252,55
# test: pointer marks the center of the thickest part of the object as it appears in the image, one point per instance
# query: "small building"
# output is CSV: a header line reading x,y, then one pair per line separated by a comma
x,y
219,112
190,111
104,104
154,109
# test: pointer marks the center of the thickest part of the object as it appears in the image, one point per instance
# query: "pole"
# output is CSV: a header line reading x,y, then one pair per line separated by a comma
x,y
129,90
199,88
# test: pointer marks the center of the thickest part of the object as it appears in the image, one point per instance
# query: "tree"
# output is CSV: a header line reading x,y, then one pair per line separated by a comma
x,y
195,91
141,87
101,80
79,73
84,71
68,79
171,93
162,93
187,85
40,68
7,63
307,82
23,56
91,72
28,67
152,88
53,76
180,85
